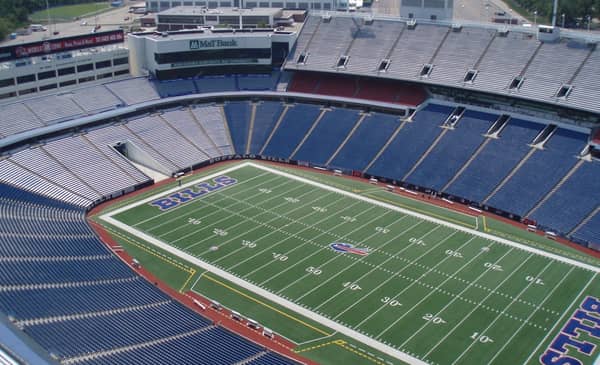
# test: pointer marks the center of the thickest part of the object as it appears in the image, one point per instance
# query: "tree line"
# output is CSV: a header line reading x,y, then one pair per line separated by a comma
x,y
15,13
575,11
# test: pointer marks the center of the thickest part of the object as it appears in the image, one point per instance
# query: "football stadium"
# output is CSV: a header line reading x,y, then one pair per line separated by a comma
x,y
317,182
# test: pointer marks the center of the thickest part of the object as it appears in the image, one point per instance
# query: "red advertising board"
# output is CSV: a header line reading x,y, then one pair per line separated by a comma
x,y
60,45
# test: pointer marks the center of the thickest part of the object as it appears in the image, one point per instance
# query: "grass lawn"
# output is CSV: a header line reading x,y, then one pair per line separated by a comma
x,y
68,12
362,268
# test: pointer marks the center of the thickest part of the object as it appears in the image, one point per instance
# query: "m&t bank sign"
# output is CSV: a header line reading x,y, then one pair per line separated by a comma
x,y
213,43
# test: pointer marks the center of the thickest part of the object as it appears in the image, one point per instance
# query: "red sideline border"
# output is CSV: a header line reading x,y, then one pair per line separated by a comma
x,y
278,344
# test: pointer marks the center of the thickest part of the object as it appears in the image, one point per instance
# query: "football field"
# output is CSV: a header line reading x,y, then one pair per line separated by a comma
x,y
415,287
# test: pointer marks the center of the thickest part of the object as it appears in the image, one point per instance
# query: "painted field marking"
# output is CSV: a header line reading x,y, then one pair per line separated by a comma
x,y
276,229
380,264
266,305
228,210
334,258
529,284
478,305
433,291
257,226
531,315
487,270
296,247
273,230
194,211
561,320
178,188
407,287
320,265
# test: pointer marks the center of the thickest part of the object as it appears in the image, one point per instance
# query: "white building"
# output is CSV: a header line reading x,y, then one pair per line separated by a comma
x,y
62,62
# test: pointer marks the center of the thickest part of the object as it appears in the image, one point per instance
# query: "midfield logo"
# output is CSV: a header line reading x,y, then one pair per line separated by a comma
x,y
349,248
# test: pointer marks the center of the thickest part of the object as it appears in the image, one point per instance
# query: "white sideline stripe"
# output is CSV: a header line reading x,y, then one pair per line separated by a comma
x,y
270,296
297,308
435,220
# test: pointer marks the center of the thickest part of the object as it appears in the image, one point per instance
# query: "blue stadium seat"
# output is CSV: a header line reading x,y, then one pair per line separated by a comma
x,y
453,150
238,118
542,171
366,141
267,115
327,136
292,130
495,161
412,141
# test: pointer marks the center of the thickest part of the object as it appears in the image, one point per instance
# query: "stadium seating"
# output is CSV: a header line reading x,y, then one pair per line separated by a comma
x,y
210,117
411,142
185,122
372,43
495,161
575,199
366,141
133,91
267,115
590,231
362,88
327,136
238,117
294,126
453,150
175,87
540,173
60,285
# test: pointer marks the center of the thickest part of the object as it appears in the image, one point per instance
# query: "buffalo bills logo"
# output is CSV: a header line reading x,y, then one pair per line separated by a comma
x,y
349,248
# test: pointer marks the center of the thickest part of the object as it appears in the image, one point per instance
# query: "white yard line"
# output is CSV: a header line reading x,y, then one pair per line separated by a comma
x,y
227,209
560,320
438,313
108,217
258,268
531,315
193,211
504,310
378,266
358,260
268,295
477,306
432,291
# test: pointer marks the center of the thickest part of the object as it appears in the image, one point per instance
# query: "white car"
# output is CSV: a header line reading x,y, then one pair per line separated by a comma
x,y
83,22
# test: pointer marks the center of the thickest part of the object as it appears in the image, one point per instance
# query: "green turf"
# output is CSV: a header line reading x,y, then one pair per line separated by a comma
x,y
68,12
426,289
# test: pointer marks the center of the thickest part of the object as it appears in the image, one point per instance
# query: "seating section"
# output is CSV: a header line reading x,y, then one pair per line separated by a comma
x,y
238,118
411,142
67,292
291,131
133,91
590,232
175,87
495,161
542,171
453,150
211,84
575,200
17,118
367,140
52,109
95,99
327,136
267,115
497,57
362,88
211,119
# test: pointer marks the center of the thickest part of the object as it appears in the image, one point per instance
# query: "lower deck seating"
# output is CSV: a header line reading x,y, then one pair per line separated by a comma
x,y
411,142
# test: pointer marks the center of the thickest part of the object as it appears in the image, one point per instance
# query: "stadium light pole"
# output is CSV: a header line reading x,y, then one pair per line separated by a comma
x,y
554,11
